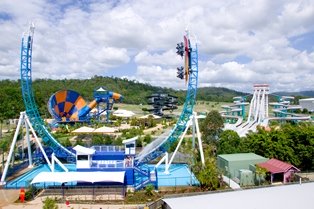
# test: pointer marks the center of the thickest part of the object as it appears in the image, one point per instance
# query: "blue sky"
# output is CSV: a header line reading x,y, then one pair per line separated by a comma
x,y
240,42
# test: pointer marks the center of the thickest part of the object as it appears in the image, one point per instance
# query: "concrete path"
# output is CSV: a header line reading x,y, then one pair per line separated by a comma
x,y
8,196
37,204
232,184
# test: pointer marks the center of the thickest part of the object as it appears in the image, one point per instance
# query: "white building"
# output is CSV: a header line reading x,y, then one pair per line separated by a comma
x,y
307,103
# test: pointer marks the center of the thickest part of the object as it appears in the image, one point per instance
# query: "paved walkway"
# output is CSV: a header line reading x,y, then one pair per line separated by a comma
x,y
8,196
37,204
231,183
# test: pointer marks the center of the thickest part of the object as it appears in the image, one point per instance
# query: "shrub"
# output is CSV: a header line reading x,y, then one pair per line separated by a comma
x,y
50,203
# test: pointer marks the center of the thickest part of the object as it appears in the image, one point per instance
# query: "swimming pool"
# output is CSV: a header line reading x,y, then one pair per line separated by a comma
x,y
179,175
25,179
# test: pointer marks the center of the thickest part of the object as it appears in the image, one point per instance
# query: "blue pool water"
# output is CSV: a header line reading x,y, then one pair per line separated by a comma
x,y
179,175
25,179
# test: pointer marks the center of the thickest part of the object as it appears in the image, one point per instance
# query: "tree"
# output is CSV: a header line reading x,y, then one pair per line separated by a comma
x,y
229,142
260,174
292,143
97,140
147,138
4,147
212,126
66,142
50,203
208,175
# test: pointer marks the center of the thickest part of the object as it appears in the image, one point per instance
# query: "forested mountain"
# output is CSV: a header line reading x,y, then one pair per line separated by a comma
x,y
11,102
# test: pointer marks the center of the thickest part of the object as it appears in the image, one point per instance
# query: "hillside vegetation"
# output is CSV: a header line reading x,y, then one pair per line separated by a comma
x,y
11,102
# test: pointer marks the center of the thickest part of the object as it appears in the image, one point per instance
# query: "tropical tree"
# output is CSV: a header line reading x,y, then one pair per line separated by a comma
x,y
212,126
229,142
260,174
208,175
4,147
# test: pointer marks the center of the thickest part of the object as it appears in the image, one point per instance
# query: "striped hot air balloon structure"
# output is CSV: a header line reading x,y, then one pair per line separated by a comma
x,y
70,106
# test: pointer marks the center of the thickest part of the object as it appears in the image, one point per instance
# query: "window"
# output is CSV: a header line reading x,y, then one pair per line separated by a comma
x,y
82,157
130,145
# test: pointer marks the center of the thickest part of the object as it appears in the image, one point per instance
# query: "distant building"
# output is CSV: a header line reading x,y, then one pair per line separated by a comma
x,y
307,104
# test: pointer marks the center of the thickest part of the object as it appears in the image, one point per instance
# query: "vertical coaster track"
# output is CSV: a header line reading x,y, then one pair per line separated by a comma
x,y
151,151
29,101
162,144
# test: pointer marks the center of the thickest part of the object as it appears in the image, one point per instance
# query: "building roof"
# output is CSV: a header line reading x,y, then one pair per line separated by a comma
x,y
123,113
83,150
83,129
131,140
242,157
63,177
152,115
105,129
285,196
277,166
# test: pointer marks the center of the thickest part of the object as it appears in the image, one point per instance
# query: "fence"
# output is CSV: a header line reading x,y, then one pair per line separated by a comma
x,y
85,193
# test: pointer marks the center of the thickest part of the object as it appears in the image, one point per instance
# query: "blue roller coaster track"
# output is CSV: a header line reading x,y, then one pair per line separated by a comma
x,y
144,157
148,155
29,100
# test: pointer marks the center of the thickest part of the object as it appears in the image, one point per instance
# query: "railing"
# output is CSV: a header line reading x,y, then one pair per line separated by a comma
x,y
177,181
108,148
108,164
85,193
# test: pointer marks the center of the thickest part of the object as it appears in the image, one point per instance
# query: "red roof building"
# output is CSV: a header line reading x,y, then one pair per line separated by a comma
x,y
279,170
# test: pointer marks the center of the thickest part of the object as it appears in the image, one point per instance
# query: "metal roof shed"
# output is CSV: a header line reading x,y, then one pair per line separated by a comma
x,y
232,163
279,169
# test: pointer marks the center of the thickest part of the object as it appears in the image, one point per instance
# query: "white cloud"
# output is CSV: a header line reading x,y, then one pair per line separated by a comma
x,y
168,58
79,39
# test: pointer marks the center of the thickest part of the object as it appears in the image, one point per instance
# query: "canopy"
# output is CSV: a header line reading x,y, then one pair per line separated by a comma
x,y
83,129
63,177
83,150
123,113
147,116
105,129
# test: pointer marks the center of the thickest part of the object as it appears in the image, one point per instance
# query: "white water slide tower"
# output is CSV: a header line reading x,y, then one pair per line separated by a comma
x,y
258,112
259,104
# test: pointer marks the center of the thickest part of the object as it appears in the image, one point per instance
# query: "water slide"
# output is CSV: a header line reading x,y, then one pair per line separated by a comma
x,y
258,111
162,144
229,126
29,100
70,106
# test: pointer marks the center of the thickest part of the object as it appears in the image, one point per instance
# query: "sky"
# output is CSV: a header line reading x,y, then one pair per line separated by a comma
x,y
240,42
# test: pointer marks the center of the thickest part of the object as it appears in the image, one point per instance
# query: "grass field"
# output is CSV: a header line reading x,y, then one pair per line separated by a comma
x,y
201,106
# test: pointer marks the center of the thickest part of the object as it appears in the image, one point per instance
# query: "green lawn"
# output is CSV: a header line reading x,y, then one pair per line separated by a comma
x,y
201,106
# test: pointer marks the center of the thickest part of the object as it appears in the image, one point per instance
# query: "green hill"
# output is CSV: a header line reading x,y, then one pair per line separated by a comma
x,y
134,92
300,93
